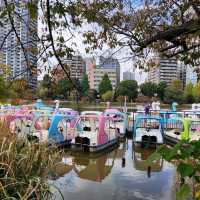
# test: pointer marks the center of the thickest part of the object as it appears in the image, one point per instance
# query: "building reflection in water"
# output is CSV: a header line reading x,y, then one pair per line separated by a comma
x,y
140,156
94,168
98,167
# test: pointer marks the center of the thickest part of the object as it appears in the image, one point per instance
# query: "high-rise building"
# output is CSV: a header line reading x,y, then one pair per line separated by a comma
x,y
110,63
19,58
109,66
182,73
89,62
191,75
128,75
75,66
96,75
166,70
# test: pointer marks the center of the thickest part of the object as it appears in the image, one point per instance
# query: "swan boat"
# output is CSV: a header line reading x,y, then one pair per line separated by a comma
x,y
182,129
120,120
148,130
55,129
95,133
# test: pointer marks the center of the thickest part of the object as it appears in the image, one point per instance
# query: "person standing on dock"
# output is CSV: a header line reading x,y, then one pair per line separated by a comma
x,y
147,109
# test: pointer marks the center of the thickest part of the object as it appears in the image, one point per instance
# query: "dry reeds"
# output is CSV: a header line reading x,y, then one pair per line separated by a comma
x,y
24,166
4,129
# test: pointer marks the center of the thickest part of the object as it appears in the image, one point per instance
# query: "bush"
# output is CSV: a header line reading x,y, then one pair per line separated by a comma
x,y
143,99
172,95
127,88
107,96
120,99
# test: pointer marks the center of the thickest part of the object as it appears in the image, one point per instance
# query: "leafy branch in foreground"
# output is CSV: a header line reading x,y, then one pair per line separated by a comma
x,y
186,157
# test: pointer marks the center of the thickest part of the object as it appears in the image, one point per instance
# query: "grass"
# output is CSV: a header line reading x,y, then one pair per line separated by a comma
x,y
24,167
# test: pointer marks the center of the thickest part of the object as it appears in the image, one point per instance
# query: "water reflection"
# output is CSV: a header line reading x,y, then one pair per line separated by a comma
x,y
140,156
118,174
94,169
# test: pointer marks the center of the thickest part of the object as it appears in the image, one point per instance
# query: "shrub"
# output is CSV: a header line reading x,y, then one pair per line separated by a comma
x,y
107,96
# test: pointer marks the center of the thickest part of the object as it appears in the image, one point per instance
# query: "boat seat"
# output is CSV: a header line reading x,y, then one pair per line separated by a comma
x,y
78,139
86,128
177,132
86,141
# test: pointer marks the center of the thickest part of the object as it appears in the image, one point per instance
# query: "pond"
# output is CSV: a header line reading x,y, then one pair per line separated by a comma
x,y
120,173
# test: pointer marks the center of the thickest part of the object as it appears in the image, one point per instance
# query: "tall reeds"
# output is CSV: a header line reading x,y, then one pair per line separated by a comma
x,y
24,167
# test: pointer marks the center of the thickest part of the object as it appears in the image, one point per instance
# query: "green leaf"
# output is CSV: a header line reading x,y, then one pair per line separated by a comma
x,y
183,192
186,152
153,157
185,169
32,7
173,152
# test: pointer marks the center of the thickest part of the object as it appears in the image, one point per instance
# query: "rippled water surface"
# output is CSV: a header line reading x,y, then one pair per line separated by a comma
x,y
108,176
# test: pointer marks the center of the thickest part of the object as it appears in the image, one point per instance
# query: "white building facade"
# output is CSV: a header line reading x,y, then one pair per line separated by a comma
x,y
95,77
191,75
128,75
111,67
166,70
20,60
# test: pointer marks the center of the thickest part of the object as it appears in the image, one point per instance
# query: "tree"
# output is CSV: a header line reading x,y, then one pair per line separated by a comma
x,y
63,87
47,81
186,156
170,28
174,92
92,94
149,89
47,89
161,90
107,96
3,88
188,93
196,91
127,88
105,85
85,85
19,86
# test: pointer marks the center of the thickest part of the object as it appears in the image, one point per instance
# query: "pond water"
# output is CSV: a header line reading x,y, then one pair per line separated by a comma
x,y
121,173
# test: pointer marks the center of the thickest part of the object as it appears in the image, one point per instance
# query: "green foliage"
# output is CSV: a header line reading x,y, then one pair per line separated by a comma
x,y
149,89
188,93
174,92
18,86
185,169
183,192
107,96
196,91
127,88
32,7
161,88
85,85
47,88
47,81
3,88
92,94
63,88
186,156
105,85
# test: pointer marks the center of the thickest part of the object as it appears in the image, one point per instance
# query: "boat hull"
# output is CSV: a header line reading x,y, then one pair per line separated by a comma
x,y
93,149
171,140
153,137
